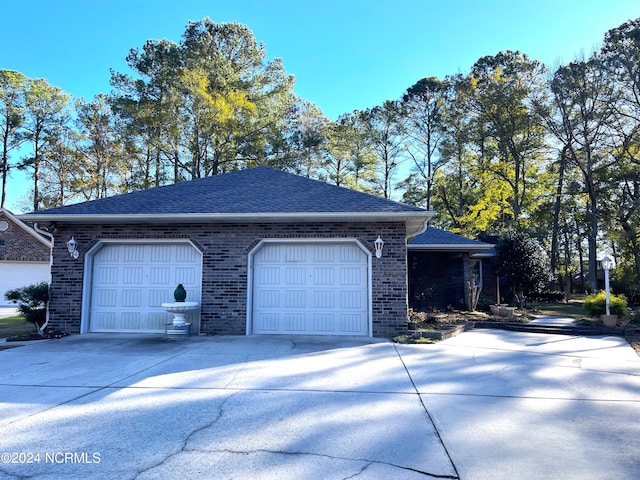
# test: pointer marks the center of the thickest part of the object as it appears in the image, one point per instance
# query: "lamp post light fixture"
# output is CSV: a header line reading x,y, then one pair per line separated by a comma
x,y
607,264
72,246
379,243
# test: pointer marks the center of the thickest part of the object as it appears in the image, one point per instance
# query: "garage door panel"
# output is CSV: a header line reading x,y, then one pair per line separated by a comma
x,y
324,254
324,299
294,322
308,288
295,298
267,322
323,323
350,323
132,275
293,275
351,275
160,275
132,298
160,254
186,275
324,275
130,282
159,296
104,321
133,253
105,297
352,299
105,275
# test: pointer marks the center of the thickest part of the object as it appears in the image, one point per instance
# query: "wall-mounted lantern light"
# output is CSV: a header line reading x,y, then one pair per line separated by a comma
x,y
72,246
379,243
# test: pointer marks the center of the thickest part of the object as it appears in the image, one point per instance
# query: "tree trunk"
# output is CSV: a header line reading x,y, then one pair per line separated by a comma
x,y
556,213
593,237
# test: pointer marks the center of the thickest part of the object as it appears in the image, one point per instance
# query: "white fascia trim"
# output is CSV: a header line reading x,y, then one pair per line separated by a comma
x,y
18,221
451,248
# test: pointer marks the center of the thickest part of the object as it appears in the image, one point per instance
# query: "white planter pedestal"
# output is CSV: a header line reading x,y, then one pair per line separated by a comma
x,y
179,328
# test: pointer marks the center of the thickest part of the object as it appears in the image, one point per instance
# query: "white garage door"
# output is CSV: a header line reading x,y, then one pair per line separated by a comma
x,y
311,289
20,274
131,281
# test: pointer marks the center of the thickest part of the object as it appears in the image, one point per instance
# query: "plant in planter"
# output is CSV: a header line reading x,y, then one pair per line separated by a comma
x,y
412,322
179,327
180,294
595,305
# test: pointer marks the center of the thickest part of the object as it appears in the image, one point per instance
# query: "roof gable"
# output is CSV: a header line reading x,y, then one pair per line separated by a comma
x,y
27,229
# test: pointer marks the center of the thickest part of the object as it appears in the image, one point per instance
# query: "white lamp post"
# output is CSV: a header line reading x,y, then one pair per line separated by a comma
x,y
607,264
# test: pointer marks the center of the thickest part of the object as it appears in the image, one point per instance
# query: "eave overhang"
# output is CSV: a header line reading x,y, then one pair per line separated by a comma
x,y
415,222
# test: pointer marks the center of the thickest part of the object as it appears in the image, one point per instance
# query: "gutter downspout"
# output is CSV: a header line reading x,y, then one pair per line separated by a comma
x,y
420,230
46,234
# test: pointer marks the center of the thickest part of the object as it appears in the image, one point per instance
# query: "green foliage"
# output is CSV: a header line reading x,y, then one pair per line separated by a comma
x,y
32,302
210,104
522,260
595,304
502,146
11,120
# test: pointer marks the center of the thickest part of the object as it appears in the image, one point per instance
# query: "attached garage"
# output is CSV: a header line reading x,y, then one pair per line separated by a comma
x,y
266,252
310,288
128,282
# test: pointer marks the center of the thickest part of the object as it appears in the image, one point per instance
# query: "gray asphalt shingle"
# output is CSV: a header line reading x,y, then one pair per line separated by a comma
x,y
258,190
433,236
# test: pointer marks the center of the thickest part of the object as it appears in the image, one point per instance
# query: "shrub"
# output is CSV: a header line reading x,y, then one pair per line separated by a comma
x,y
521,259
32,302
551,296
632,292
594,304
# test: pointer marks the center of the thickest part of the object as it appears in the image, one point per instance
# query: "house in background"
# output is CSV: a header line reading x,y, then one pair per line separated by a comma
x,y
442,267
24,255
262,251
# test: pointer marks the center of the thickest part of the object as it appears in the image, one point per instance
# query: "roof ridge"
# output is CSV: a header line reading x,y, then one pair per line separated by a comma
x,y
260,190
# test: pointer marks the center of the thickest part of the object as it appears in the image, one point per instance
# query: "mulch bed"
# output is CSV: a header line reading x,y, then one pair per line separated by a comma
x,y
48,335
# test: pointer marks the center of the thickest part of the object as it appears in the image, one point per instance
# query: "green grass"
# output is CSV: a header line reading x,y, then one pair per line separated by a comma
x,y
572,309
15,327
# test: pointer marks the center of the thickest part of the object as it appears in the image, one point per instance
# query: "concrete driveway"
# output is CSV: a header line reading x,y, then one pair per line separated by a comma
x,y
487,404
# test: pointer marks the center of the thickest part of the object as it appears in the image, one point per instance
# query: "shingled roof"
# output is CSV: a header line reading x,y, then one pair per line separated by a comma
x,y
260,193
435,239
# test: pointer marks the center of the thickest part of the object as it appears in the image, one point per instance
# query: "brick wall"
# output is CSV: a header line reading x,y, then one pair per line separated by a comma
x,y
17,245
225,249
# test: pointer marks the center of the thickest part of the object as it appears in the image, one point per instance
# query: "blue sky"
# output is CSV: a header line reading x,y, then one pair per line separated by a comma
x,y
345,55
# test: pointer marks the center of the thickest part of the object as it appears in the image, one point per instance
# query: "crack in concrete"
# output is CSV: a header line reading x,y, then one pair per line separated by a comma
x,y
433,423
187,438
357,474
368,462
